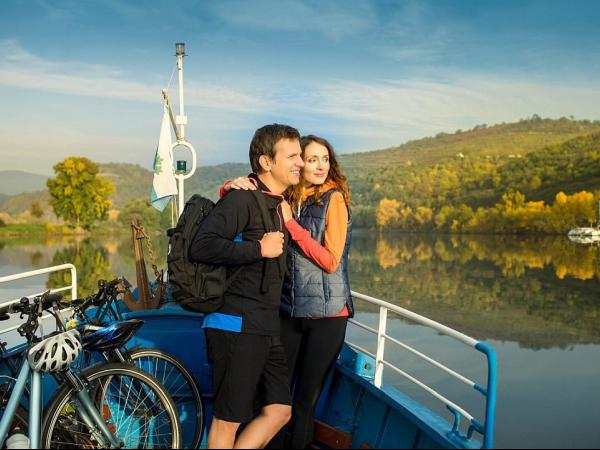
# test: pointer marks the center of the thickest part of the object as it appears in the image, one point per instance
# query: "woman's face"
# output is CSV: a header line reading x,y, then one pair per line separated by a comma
x,y
316,164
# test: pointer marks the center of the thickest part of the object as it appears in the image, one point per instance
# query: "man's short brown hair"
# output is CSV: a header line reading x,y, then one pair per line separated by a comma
x,y
264,140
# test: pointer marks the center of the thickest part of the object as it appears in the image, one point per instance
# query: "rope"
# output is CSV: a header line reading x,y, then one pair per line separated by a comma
x,y
171,78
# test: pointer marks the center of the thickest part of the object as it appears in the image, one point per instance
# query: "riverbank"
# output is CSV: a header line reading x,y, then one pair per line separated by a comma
x,y
39,229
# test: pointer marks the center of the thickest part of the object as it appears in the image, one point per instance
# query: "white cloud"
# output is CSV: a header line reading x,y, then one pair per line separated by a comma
x,y
421,108
370,114
20,68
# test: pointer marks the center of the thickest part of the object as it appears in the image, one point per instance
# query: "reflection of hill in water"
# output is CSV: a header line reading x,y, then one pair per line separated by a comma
x,y
33,253
540,292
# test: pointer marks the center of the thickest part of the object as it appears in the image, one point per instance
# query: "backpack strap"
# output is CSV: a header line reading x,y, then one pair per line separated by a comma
x,y
264,211
269,225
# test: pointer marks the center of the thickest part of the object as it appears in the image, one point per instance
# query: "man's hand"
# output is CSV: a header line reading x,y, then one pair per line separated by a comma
x,y
241,183
271,244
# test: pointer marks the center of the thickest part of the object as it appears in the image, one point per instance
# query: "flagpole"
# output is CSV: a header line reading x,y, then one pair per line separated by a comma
x,y
181,121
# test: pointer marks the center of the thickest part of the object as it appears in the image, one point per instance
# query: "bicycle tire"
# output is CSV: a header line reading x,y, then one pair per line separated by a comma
x,y
182,387
101,382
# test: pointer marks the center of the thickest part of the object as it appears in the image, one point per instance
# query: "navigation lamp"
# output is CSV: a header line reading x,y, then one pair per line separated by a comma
x,y
181,167
180,49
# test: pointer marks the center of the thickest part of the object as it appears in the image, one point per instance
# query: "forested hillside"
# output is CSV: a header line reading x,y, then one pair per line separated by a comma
x,y
438,182
537,157
135,182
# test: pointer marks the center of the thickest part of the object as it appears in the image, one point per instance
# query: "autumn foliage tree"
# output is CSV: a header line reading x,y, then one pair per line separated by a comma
x,y
388,212
77,194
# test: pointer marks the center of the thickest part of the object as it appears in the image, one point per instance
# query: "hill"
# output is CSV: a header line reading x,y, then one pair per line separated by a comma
x,y
504,139
536,156
14,182
476,167
133,181
16,204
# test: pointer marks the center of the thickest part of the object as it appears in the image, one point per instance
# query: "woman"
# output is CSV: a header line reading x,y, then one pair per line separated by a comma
x,y
316,301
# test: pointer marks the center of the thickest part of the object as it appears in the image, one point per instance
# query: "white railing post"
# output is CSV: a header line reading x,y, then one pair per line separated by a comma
x,y
73,282
380,346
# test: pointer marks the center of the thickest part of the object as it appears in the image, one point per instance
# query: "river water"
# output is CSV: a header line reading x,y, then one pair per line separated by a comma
x,y
534,300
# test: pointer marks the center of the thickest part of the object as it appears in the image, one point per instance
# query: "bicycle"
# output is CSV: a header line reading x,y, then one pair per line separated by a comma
x,y
108,405
102,311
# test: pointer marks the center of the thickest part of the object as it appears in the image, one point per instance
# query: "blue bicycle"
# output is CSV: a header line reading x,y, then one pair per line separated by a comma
x,y
102,312
105,406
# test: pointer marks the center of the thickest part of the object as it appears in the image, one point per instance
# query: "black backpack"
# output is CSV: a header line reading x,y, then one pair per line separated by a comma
x,y
200,287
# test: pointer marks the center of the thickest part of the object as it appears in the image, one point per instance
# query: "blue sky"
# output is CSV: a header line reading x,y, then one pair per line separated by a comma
x,y
84,78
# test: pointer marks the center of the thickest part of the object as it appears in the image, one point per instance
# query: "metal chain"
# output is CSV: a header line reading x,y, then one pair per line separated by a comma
x,y
142,232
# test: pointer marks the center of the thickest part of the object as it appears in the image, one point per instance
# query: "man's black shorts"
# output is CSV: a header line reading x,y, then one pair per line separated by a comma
x,y
250,371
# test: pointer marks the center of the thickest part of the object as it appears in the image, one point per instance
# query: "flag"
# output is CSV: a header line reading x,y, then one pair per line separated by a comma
x,y
164,185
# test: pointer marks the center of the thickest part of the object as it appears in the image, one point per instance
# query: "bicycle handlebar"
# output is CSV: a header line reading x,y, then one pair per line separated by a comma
x,y
105,289
25,305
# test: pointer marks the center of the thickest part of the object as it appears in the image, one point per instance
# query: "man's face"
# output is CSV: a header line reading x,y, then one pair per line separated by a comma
x,y
285,169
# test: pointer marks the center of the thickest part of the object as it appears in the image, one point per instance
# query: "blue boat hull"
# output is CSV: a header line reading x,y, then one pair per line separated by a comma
x,y
351,411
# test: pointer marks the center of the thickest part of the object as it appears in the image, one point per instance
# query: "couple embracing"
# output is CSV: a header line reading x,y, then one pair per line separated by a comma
x,y
284,316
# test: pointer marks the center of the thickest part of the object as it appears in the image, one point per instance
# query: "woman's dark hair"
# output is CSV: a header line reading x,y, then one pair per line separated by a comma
x,y
294,193
264,140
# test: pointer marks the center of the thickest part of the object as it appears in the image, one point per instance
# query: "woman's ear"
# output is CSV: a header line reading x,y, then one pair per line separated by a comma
x,y
265,163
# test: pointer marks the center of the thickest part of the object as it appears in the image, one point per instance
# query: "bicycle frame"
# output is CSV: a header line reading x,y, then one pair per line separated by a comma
x,y
13,403
88,411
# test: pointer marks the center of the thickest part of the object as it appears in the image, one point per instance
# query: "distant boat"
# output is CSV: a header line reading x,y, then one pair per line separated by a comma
x,y
584,235
585,232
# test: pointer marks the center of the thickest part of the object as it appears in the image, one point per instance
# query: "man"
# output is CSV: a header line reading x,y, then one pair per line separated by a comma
x,y
249,363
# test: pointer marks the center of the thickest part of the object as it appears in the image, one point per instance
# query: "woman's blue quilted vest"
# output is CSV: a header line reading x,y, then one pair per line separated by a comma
x,y
309,291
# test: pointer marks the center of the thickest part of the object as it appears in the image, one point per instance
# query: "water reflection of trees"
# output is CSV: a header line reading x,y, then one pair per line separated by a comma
x,y
92,263
103,258
541,292
126,260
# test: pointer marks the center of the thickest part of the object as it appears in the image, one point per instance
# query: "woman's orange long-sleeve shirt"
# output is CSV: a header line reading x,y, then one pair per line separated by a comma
x,y
328,255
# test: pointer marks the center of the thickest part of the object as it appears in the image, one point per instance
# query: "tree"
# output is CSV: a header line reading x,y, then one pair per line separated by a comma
x,y
150,218
36,210
78,194
92,262
388,212
423,216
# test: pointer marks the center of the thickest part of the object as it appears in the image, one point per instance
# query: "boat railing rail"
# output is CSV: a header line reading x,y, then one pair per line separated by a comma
x,y
33,273
486,429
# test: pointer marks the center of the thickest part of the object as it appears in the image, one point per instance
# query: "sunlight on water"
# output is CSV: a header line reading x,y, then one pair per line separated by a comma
x,y
535,300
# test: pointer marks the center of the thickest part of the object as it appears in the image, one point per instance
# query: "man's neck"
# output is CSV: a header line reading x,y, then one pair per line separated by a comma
x,y
270,183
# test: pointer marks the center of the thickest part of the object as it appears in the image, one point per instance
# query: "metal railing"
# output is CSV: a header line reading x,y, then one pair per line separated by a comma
x,y
486,429
33,273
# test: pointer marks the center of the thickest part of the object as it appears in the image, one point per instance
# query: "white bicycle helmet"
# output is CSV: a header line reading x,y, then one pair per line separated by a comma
x,y
55,353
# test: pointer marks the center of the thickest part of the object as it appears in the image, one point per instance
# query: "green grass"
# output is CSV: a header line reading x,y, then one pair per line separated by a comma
x,y
23,228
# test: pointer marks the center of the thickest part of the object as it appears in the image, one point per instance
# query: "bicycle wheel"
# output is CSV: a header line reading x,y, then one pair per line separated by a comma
x,y
182,387
136,408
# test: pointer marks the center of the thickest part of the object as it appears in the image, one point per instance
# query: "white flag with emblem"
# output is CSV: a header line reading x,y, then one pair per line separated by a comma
x,y
164,185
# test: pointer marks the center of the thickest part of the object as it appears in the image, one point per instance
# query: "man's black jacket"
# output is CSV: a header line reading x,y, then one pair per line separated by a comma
x,y
255,294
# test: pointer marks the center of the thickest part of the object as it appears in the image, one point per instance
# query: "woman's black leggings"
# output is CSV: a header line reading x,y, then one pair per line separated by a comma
x,y
311,346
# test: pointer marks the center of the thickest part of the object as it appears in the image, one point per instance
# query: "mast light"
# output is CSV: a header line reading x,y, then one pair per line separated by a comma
x,y
181,167
180,49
